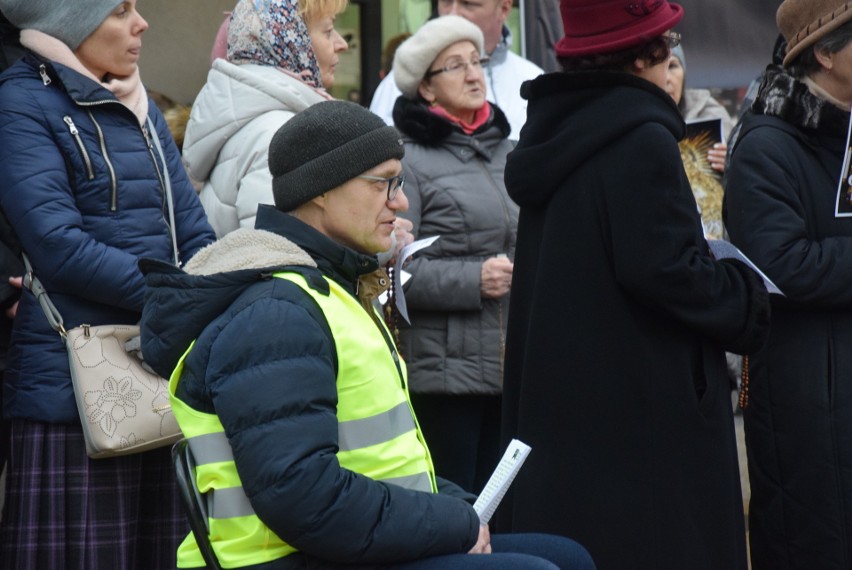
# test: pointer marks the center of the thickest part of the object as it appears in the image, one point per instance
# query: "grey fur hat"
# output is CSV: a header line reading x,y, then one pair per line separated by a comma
x,y
416,54
69,21
324,146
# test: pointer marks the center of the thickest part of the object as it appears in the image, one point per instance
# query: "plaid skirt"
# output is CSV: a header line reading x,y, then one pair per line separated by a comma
x,y
64,510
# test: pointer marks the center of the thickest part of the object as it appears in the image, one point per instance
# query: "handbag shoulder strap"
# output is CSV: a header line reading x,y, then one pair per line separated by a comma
x,y
167,181
32,283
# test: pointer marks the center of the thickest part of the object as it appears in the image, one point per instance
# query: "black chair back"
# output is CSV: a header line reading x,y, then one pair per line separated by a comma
x,y
193,501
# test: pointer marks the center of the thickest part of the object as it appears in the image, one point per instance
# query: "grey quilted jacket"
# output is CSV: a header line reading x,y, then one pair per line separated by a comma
x,y
454,183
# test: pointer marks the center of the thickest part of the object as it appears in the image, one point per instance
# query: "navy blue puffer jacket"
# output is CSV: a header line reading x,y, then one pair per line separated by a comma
x,y
82,189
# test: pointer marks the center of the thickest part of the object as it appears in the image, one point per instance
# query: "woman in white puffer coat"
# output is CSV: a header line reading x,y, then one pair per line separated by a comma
x,y
281,58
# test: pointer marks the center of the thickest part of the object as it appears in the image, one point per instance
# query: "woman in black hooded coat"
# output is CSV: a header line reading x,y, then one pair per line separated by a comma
x,y
619,316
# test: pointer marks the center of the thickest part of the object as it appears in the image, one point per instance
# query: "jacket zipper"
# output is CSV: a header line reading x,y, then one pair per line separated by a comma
x,y
506,217
113,201
150,145
508,220
377,319
45,78
76,134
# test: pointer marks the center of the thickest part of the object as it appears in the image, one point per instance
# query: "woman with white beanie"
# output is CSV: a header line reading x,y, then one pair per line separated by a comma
x,y
85,190
456,144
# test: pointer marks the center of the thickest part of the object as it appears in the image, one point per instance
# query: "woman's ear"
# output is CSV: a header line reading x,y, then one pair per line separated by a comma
x,y
639,64
425,90
825,58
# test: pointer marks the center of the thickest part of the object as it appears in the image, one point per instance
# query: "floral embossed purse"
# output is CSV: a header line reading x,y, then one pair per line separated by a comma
x,y
124,406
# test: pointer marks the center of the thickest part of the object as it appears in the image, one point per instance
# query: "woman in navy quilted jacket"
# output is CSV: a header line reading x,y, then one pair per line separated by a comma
x,y
83,187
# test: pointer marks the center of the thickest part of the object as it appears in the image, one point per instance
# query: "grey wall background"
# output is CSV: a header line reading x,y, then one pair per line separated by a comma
x,y
176,48
726,42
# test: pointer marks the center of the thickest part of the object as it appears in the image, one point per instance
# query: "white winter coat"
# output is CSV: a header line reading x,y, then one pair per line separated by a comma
x,y
227,137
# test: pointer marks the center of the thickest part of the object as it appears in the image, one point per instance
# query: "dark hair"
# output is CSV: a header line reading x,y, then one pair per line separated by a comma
x,y
654,51
390,50
806,62
779,50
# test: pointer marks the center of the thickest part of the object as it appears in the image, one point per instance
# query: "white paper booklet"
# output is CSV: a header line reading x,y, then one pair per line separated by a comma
x,y
500,480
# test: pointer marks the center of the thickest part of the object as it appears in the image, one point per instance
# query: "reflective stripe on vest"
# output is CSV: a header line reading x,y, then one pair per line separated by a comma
x,y
377,432
238,537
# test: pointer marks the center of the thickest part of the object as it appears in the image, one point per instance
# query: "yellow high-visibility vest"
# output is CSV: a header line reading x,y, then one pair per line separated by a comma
x,y
378,435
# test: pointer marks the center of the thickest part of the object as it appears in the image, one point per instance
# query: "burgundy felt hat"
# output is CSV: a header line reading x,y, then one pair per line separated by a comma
x,y
604,26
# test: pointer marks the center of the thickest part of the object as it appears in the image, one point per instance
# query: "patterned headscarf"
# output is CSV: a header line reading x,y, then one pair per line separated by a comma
x,y
271,32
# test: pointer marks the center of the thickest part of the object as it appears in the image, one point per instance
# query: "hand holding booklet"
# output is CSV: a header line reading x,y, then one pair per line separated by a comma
x,y
500,480
722,249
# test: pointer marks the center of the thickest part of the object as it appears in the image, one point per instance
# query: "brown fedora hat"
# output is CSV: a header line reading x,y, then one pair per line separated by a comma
x,y
805,22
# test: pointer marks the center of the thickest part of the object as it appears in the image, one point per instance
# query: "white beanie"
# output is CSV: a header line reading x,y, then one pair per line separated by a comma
x,y
415,55
69,21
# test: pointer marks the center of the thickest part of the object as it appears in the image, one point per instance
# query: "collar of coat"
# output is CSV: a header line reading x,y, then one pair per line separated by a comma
x,y
181,303
783,96
79,88
415,121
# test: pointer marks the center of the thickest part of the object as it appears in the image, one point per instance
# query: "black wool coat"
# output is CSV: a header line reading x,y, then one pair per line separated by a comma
x,y
619,318
782,195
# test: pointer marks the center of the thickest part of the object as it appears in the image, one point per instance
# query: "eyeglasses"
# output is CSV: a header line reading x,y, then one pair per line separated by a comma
x,y
672,39
395,183
458,67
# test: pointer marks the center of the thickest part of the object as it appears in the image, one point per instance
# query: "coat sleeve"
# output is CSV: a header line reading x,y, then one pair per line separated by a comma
x,y
276,396
433,279
660,255
193,231
384,98
38,201
768,220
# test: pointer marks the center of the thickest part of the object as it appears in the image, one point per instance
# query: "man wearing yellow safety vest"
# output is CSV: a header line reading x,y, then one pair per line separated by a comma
x,y
288,384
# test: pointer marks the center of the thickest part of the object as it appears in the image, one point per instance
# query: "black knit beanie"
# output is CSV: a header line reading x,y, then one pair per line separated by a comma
x,y
324,146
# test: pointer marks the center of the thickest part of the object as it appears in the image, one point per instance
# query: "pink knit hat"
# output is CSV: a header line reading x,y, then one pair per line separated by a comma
x,y
220,44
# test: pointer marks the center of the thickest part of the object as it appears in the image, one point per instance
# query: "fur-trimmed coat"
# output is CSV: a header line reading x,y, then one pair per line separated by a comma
x,y
619,318
780,210
454,184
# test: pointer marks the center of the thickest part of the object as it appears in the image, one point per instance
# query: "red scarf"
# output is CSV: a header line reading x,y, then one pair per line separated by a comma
x,y
480,117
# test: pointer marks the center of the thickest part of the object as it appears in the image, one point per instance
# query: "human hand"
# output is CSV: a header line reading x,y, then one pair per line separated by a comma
x,y
402,230
716,157
401,237
19,283
483,543
496,277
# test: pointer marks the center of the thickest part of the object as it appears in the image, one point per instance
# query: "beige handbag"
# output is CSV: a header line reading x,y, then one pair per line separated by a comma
x,y
123,405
